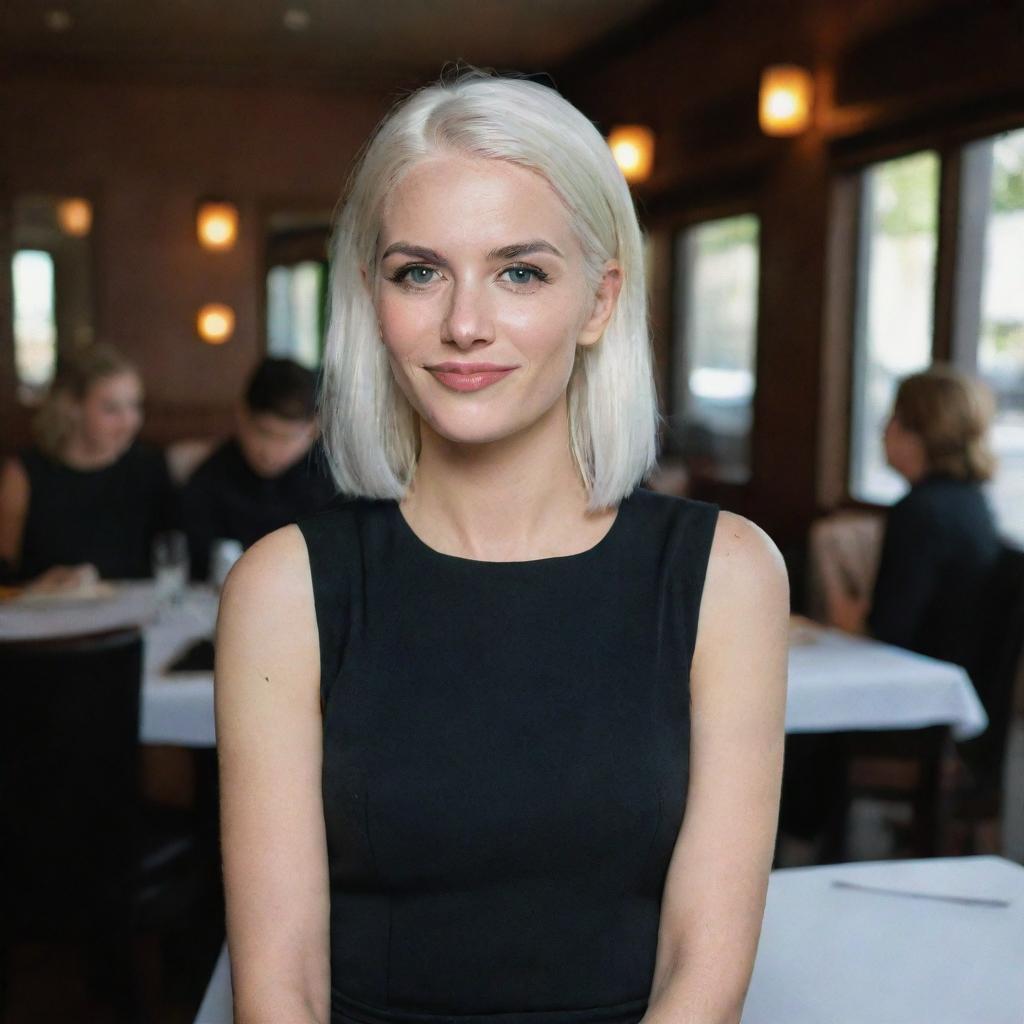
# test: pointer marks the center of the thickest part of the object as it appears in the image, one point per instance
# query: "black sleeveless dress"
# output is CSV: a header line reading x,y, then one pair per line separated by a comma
x,y
505,764
106,516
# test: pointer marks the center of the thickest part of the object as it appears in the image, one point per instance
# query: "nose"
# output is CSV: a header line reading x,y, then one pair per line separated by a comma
x,y
468,320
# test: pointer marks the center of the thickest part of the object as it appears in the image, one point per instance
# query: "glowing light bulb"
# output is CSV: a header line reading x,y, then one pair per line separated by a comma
x,y
787,93
217,225
215,323
632,145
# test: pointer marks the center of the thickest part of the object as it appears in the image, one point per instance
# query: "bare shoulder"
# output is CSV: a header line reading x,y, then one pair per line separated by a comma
x,y
14,500
744,560
13,478
266,626
746,590
274,568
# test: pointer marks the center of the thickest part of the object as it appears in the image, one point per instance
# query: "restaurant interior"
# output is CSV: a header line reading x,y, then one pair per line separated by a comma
x,y
832,199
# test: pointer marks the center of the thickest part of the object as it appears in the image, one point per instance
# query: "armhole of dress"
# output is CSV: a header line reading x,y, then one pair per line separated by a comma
x,y
328,600
704,525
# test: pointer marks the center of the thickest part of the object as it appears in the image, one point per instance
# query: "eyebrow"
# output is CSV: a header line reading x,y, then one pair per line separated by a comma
x,y
505,252
513,252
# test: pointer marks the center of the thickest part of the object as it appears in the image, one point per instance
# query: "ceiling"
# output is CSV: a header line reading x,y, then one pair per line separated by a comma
x,y
357,40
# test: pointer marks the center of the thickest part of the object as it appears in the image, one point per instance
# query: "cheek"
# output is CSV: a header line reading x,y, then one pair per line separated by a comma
x,y
406,327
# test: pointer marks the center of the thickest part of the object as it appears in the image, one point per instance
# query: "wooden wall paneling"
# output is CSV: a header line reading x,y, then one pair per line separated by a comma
x,y
148,152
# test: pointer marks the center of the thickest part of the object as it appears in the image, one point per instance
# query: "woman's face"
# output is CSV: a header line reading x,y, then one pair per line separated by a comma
x,y
110,414
481,296
904,450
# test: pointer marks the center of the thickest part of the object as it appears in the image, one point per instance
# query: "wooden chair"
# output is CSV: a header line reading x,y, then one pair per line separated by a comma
x,y
80,861
995,669
948,786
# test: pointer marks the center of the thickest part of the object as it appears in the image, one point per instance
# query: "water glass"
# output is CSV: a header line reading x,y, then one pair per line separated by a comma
x,y
171,565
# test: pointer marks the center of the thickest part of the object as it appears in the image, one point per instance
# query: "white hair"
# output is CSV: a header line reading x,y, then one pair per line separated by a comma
x,y
371,432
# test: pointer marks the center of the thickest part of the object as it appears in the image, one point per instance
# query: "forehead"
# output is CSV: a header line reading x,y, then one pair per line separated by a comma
x,y
115,386
451,201
271,425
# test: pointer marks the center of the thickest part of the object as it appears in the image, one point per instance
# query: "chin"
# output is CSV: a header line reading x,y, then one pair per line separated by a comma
x,y
485,428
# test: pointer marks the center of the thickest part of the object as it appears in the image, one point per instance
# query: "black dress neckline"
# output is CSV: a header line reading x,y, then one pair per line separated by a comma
x,y
442,558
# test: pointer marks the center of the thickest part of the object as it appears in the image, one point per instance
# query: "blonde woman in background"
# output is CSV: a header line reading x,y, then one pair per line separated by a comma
x,y
86,499
460,715
941,541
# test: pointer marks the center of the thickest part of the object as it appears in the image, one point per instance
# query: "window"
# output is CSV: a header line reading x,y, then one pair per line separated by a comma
x,y
295,307
893,324
981,320
994,320
35,323
715,345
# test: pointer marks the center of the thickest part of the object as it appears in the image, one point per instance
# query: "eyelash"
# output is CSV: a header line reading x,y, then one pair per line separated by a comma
x,y
400,276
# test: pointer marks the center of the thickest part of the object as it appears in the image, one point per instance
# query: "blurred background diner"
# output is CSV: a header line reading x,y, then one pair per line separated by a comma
x,y
833,198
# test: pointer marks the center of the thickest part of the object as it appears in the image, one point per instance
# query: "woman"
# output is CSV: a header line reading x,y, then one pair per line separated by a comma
x,y
459,715
86,498
941,541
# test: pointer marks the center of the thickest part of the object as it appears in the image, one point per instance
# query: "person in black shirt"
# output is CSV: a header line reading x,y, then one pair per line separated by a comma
x,y
268,475
87,498
941,541
939,548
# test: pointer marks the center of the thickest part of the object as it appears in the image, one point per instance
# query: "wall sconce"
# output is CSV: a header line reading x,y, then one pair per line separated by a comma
x,y
787,92
217,225
632,145
74,217
215,323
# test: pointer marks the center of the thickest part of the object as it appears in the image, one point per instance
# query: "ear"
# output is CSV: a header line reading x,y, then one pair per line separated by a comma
x,y
365,275
605,298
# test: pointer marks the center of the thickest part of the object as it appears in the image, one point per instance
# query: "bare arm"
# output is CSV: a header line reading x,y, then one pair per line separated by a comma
x,y
14,496
269,745
717,880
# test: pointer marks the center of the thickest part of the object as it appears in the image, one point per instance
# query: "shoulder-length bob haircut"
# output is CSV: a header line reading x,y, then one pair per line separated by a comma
x,y
370,432
55,422
951,413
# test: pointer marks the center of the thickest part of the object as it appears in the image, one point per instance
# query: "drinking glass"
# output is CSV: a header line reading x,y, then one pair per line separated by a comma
x,y
171,565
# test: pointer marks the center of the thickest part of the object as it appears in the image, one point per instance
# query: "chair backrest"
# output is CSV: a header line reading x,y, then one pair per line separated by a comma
x,y
844,548
996,654
185,457
69,726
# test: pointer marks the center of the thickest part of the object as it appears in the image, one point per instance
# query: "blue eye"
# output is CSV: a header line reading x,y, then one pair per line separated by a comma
x,y
524,275
417,275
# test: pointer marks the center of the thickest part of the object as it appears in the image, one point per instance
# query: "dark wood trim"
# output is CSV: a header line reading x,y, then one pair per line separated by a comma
x,y
947,247
943,130
858,318
623,39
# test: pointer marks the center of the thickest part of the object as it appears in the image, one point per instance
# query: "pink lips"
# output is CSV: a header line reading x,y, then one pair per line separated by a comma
x,y
469,376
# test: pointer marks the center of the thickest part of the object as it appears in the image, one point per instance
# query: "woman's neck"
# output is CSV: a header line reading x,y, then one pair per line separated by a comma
x,y
515,499
79,455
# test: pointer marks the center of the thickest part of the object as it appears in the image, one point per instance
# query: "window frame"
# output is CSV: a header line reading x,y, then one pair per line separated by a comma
x,y
952,340
671,301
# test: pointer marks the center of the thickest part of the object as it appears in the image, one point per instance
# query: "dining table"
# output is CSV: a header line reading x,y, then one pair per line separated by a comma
x,y
837,682
933,941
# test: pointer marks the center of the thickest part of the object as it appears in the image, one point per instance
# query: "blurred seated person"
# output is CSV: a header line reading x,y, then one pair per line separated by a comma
x,y
940,541
670,476
87,497
938,547
268,474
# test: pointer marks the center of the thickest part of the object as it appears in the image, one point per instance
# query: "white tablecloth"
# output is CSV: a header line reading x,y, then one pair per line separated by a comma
x,y
836,683
839,682
177,708
841,956
45,617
